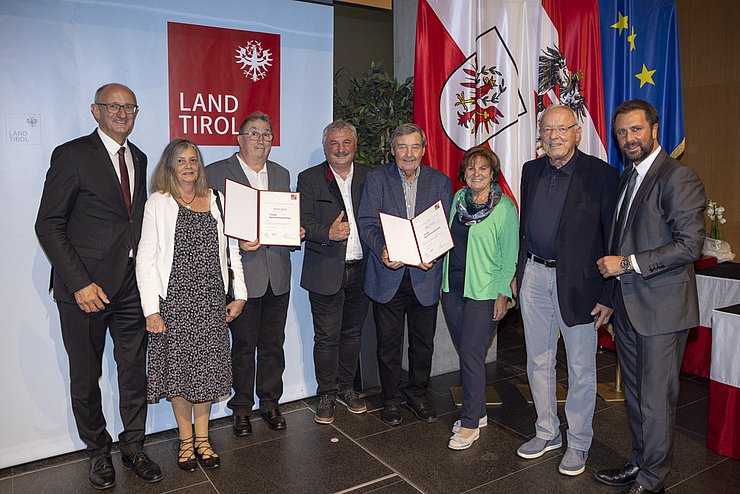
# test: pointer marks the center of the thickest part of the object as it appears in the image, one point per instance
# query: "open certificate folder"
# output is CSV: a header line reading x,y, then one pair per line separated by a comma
x,y
271,216
424,238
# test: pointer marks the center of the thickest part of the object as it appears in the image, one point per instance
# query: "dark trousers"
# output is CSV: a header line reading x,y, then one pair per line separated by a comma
x,y
84,340
260,327
389,325
337,326
650,371
471,325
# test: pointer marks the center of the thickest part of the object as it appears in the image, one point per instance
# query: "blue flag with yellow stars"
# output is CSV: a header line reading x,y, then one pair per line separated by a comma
x,y
640,60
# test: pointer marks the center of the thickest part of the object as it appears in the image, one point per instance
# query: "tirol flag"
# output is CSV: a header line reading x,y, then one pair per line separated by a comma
x,y
475,82
639,42
208,108
485,69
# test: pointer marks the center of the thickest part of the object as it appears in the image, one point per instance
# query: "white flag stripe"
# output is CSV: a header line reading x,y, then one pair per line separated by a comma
x,y
501,108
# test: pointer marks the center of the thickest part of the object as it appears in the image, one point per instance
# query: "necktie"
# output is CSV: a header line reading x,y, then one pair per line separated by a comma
x,y
622,216
125,186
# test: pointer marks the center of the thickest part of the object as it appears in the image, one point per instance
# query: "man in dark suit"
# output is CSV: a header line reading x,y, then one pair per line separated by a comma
x,y
567,203
403,188
89,223
333,265
658,234
261,325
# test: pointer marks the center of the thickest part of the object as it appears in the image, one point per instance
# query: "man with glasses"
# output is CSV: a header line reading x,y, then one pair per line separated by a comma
x,y
567,202
261,325
89,223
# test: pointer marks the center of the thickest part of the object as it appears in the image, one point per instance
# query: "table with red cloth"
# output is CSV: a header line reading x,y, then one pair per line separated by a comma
x,y
723,427
717,286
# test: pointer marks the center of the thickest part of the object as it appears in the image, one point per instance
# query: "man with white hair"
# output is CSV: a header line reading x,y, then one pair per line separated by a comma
x,y
567,204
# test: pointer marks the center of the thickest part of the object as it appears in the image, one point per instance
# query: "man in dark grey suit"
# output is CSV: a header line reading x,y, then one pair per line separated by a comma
x,y
658,234
89,223
333,265
261,325
403,188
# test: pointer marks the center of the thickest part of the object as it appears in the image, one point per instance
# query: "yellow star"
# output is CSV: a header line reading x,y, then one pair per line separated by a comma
x,y
646,76
631,39
622,23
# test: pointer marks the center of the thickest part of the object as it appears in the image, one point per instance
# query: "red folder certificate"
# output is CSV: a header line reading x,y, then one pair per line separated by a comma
x,y
272,217
424,238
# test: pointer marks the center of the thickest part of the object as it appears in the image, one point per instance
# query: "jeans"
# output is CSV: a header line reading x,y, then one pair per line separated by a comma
x,y
542,321
337,326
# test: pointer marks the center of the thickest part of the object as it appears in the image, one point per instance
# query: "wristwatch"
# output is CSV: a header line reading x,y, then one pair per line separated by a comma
x,y
626,264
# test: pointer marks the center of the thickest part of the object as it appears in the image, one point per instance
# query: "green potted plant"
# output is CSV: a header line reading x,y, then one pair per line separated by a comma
x,y
375,103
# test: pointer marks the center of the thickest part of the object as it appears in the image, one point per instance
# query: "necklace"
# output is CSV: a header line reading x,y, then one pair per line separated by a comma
x,y
187,204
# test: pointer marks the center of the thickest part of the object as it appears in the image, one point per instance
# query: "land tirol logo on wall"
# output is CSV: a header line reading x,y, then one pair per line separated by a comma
x,y
219,76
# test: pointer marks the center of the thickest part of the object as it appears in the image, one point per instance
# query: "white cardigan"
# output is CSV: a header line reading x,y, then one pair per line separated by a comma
x,y
157,247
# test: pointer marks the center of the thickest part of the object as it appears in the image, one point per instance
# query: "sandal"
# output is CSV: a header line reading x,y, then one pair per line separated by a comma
x,y
186,457
207,457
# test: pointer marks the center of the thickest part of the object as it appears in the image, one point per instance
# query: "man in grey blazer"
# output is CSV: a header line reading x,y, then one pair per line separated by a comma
x,y
261,325
403,188
333,265
658,234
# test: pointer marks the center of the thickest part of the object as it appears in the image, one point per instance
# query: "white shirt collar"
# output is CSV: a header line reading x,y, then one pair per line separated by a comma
x,y
644,166
349,175
110,145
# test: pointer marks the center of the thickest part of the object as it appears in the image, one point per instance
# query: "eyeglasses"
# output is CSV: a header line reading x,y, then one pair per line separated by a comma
x,y
116,107
255,136
557,130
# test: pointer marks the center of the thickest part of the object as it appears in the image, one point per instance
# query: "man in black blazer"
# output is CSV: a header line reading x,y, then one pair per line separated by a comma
x,y
658,234
89,223
567,203
333,268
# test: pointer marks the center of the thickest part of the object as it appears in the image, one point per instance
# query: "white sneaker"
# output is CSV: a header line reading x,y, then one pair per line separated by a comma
x,y
483,422
457,442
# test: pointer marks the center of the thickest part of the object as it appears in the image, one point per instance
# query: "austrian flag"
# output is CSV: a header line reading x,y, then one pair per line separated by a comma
x,y
485,69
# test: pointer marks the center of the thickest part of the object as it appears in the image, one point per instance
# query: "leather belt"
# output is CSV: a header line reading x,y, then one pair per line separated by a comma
x,y
354,262
549,263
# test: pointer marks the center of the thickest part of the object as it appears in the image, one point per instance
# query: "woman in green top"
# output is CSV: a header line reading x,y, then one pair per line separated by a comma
x,y
476,282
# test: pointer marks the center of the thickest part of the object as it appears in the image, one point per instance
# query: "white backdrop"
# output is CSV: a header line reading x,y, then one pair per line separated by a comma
x,y
54,54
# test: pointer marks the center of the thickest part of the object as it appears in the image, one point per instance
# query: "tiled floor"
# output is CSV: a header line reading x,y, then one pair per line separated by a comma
x,y
360,454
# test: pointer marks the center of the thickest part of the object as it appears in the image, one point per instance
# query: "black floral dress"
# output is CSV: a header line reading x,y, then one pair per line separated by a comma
x,y
191,359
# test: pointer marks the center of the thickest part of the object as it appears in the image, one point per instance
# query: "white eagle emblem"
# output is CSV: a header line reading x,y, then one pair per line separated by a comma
x,y
254,60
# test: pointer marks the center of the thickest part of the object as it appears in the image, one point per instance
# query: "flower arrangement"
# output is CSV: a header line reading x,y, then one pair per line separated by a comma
x,y
716,216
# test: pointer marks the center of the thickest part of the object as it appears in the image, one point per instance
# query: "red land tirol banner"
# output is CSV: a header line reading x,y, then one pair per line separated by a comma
x,y
219,76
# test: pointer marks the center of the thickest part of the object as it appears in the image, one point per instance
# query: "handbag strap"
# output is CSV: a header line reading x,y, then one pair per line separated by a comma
x,y
228,254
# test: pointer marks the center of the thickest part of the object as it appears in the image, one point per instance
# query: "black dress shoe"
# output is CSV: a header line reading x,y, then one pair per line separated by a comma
x,y
242,425
144,468
618,476
423,411
274,419
636,488
102,475
391,415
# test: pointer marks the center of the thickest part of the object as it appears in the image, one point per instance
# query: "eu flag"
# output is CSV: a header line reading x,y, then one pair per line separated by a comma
x,y
640,60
